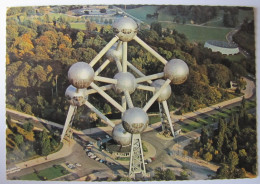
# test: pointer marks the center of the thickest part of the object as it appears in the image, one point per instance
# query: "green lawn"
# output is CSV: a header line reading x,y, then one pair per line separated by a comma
x,y
80,26
49,173
154,119
141,12
199,33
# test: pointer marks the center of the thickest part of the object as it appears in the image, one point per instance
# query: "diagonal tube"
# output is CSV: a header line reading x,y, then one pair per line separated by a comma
x,y
150,77
149,49
128,99
138,72
102,67
102,116
166,110
107,97
103,51
146,88
105,79
156,95
68,121
119,66
104,88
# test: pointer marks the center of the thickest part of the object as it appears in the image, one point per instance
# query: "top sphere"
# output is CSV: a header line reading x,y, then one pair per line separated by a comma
x,y
81,75
135,120
177,71
125,28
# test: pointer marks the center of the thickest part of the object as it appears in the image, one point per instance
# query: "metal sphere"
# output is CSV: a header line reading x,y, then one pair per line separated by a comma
x,y
125,28
166,93
81,75
113,54
121,136
75,96
125,81
177,71
135,120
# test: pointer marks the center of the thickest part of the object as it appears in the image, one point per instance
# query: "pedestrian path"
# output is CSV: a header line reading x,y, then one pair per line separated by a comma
x,y
66,150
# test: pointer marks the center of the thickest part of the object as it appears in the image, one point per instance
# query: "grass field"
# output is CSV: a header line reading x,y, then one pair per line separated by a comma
x,y
80,26
154,119
199,33
213,30
49,173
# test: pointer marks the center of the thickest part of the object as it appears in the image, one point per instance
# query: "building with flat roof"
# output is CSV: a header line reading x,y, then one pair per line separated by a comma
x,y
222,47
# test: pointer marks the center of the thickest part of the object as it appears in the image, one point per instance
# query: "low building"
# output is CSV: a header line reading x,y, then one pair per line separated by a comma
x,y
222,47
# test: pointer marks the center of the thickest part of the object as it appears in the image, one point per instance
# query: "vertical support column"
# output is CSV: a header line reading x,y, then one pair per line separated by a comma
x,y
124,62
136,157
123,104
161,115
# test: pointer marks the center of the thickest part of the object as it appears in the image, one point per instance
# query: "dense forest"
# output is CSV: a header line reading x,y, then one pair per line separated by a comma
x,y
23,142
40,50
232,144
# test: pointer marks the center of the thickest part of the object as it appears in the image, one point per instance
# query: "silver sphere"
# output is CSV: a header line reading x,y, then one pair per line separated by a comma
x,y
121,136
135,120
81,75
125,28
113,54
75,96
166,93
177,71
125,81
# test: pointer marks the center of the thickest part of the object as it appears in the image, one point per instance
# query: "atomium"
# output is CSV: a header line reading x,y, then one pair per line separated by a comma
x,y
135,120
125,28
177,71
121,136
125,81
81,75
166,93
75,96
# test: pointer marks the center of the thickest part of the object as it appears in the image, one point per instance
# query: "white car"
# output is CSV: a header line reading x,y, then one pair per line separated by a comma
x,y
93,156
90,154
78,164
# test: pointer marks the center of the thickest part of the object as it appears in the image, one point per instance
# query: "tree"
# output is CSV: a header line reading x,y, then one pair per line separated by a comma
x,y
208,156
103,10
233,160
163,174
79,38
18,138
219,75
157,27
223,172
28,126
204,136
90,26
234,144
184,175
45,143
21,80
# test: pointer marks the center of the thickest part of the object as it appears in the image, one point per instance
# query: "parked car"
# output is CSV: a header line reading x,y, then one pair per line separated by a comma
x,y
93,156
78,164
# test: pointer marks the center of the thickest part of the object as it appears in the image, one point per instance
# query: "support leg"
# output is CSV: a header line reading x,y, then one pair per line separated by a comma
x,y
69,120
167,112
136,156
